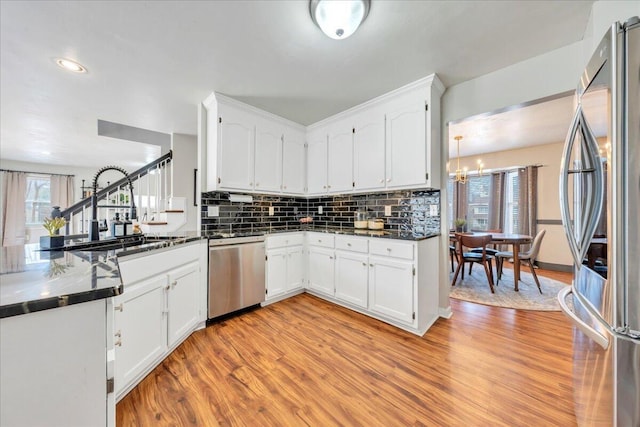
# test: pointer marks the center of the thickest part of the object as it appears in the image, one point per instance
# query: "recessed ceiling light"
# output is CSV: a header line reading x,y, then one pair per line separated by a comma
x,y
70,65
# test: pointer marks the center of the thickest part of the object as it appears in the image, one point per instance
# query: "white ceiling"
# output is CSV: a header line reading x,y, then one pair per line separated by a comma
x,y
151,63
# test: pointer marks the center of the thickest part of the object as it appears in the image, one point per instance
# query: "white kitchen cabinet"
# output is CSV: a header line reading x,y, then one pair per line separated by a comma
x,y
285,265
352,276
159,308
391,288
268,156
317,162
182,302
321,270
294,175
369,150
140,329
236,138
276,272
340,157
406,161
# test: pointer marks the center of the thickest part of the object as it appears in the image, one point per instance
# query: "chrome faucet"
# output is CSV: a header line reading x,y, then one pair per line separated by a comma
x,y
94,231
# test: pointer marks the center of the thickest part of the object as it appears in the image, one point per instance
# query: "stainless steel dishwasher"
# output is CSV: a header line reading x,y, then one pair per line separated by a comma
x,y
236,274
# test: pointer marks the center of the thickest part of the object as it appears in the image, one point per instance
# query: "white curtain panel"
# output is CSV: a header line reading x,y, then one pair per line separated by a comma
x,y
62,191
13,215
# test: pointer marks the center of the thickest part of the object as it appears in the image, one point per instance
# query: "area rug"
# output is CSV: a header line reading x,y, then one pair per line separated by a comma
x,y
475,288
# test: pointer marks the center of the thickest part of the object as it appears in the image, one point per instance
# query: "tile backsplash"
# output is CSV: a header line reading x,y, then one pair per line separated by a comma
x,y
415,211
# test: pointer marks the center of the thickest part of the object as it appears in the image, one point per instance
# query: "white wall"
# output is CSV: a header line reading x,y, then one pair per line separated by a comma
x,y
183,164
555,249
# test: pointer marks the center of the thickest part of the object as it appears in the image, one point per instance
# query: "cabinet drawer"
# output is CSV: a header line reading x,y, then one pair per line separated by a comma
x,y
354,244
324,240
284,240
392,248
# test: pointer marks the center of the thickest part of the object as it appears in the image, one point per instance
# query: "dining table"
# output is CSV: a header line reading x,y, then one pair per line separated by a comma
x,y
513,239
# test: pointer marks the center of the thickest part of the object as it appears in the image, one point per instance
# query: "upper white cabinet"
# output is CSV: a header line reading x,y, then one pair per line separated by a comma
x,y
268,156
236,132
317,161
369,150
340,157
294,171
389,142
248,149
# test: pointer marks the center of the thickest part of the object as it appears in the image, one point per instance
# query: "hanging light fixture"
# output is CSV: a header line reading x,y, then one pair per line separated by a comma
x,y
461,174
480,167
339,19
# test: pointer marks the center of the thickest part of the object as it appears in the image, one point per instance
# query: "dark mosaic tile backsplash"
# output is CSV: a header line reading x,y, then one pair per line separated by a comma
x,y
410,211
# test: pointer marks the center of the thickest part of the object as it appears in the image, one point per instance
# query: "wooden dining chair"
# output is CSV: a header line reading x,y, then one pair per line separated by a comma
x,y
472,241
529,257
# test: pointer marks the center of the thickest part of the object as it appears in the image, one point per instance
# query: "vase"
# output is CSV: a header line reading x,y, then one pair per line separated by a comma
x,y
51,242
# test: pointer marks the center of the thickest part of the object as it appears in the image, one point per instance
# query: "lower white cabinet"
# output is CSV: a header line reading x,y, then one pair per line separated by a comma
x,y
182,302
159,308
285,265
140,329
321,270
391,288
352,276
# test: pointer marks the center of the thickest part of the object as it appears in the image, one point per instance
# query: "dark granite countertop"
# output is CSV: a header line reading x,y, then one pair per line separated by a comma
x,y
383,234
32,279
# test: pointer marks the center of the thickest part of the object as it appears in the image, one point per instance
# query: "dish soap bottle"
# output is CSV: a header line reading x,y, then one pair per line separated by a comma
x,y
128,225
117,226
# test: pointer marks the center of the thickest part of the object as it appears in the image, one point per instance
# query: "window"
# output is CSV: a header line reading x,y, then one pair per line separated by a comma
x,y
478,192
37,199
512,194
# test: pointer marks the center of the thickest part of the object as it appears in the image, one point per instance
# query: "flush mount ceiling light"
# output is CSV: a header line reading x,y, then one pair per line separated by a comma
x,y
70,65
339,19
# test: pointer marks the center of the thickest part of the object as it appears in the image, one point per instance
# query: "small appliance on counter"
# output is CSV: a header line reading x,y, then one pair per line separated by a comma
x,y
375,224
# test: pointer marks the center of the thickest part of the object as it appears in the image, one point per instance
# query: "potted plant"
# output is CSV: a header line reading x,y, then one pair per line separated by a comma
x,y
460,224
53,240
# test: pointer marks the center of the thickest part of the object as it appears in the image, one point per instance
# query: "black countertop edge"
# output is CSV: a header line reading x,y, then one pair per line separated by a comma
x,y
151,246
387,234
59,301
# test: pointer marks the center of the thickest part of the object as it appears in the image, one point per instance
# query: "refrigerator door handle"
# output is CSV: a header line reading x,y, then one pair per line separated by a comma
x,y
596,336
564,187
579,246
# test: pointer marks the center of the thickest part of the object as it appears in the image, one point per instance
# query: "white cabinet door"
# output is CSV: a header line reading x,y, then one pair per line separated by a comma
x,y
391,290
276,272
317,163
352,271
321,270
140,329
235,148
295,268
293,163
369,150
182,302
268,156
406,146
340,158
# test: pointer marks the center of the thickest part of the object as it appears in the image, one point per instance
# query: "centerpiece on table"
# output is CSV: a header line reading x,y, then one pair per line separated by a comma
x,y
460,224
54,239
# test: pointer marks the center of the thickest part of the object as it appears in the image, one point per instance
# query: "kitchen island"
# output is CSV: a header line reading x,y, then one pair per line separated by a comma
x,y
56,332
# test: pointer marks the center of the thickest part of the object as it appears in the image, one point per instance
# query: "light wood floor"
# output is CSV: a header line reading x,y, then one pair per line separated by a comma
x,y
306,362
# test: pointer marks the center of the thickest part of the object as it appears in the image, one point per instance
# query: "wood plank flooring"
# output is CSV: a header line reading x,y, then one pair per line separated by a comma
x,y
306,362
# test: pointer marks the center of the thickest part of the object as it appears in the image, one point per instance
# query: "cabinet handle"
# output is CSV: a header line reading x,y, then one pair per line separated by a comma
x,y
174,283
328,186
119,308
324,186
364,264
382,181
250,184
348,244
285,187
118,343
370,265
319,240
388,179
167,287
388,249
118,334
330,257
257,184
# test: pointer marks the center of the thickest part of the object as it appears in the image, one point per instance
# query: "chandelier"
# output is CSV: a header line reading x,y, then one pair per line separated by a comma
x,y
461,174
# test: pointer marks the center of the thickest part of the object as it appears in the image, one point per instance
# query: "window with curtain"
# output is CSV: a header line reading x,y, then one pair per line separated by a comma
x,y
37,199
511,206
478,200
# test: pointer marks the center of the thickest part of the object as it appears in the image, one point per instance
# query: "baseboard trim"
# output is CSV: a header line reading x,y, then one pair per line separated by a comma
x,y
555,267
445,312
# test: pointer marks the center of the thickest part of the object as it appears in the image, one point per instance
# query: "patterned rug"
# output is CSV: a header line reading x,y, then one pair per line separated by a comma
x,y
475,288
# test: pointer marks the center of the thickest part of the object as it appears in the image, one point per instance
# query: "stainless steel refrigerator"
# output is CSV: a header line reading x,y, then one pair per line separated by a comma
x,y
600,206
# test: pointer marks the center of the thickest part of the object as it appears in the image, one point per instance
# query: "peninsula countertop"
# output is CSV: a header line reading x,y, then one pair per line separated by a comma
x,y
32,279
